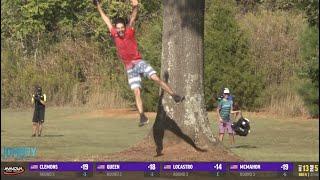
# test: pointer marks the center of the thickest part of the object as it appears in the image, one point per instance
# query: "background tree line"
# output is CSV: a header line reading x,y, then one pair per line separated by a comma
x,y
266,52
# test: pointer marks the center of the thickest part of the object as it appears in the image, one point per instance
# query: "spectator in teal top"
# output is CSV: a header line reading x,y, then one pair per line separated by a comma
x,y
224,111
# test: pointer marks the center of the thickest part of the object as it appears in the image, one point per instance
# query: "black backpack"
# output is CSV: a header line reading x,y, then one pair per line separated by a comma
x,y
241,127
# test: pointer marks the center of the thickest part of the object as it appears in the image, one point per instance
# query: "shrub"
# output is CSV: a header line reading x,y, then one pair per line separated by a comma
x,y
227,59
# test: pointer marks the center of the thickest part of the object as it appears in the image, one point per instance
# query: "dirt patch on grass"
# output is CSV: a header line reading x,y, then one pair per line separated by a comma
x,y
145,149
181,151
178,151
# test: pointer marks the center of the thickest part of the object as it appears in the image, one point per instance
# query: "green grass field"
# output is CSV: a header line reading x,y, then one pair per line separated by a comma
x,y
72,133
275,138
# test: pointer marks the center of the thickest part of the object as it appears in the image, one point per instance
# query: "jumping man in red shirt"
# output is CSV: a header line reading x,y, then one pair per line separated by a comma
x,y
127,49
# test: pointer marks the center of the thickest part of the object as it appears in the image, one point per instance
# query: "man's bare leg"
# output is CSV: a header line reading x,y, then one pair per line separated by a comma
x,y
143,119
162,84
221,137
137,95
34,129
40,128
166,88
231,138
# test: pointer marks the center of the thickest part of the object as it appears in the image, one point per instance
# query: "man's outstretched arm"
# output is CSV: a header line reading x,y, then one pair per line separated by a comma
x,y
105,18
134,12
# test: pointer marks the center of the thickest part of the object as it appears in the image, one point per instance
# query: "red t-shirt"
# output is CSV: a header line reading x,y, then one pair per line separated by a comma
x,y
127,47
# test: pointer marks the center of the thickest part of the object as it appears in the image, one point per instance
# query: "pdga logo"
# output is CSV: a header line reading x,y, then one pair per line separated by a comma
x,y
13,170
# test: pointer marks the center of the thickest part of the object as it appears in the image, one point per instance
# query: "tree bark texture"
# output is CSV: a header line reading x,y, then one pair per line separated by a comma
x,y
182,67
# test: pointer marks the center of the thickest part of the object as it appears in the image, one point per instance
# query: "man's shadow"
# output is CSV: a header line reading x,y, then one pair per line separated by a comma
x,y
246,146
164,122
53,135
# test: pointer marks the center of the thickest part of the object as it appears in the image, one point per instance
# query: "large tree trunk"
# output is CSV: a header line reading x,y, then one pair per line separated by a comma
x,y
182,67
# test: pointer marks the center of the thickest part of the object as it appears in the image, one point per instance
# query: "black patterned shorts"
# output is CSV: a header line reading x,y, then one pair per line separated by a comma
x,y
134,74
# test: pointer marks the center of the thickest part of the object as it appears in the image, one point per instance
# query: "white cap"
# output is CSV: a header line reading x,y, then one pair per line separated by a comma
x,y
226,91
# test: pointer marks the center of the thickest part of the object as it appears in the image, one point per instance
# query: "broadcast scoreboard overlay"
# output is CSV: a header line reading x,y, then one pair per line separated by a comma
x,y
163,169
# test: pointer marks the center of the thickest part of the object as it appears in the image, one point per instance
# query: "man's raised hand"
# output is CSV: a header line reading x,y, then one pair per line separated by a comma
x,y
134,12
95,2
134,3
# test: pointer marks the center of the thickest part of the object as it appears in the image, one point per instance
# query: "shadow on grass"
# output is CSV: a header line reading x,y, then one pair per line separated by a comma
x,y
164,122
53,135
244,146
